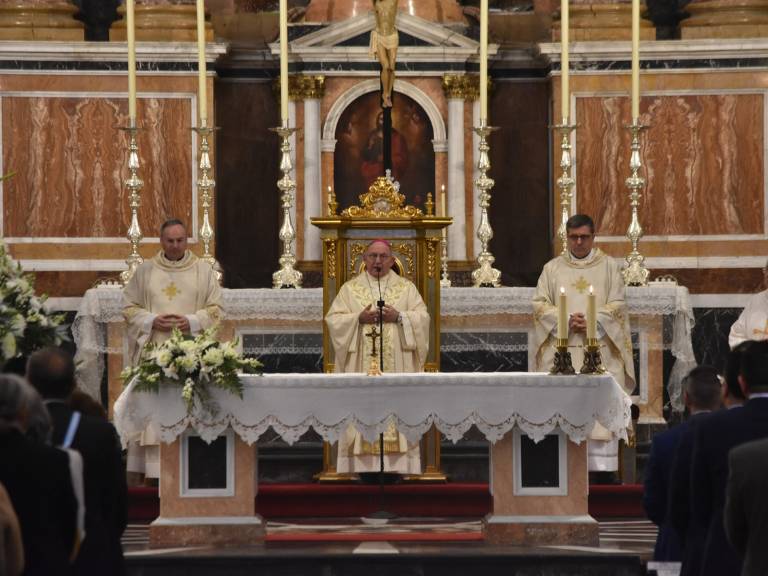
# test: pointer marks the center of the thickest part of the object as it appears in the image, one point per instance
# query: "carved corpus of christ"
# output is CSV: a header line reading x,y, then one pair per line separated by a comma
x,y
384,43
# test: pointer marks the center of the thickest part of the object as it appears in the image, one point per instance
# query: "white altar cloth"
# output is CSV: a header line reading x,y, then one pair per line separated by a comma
x,y
292,403
103,306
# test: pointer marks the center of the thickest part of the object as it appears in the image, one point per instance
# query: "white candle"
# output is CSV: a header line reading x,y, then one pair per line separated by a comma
x,y
591,315
284,61
442,201
483,60
565,96
130,28
202,92
562,316
635,61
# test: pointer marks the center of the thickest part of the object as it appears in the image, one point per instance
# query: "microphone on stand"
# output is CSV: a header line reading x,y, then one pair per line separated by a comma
x,y
380,304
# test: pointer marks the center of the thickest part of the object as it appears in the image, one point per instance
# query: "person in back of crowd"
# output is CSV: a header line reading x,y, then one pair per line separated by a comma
x,y
746,505
38,482
701,393
733,395
52,372
11,548
715,437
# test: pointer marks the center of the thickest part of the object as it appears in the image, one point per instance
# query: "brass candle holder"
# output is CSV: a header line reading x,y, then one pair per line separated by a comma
x,y
205,185
562,363
593,361
287,276
134,185
565,182
485,275
635,273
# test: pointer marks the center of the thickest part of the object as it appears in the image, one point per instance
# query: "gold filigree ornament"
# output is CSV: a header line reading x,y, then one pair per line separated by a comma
x,y
383,200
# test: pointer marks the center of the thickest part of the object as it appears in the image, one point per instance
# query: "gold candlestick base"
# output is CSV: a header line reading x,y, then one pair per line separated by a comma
x,y
562,363
593,361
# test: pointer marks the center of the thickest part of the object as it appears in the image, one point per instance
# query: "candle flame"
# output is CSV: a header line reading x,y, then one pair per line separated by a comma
x,y
591,290
562,290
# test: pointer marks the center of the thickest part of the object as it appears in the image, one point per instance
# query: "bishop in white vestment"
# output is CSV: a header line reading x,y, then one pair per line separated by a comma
x,y
581,267
175,289
406,342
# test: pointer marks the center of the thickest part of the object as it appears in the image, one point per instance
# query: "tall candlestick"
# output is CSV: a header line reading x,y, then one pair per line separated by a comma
x,y
591,315
284,61
562,316
130,28
565,96
483,60
202,92
635,61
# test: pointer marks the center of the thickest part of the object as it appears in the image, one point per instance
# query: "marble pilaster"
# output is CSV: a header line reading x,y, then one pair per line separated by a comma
x,y
725,19
40,20
162,21
603,20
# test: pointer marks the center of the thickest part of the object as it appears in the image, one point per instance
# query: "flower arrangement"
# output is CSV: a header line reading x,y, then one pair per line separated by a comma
x,y
193,363
26,324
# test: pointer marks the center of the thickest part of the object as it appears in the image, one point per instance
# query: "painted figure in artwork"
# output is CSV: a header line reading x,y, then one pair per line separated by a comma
x,y
384,42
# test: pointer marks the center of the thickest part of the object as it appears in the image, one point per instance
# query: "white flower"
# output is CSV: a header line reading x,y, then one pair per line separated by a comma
x,y
189,390
9,345
18,324
188,347
213,357
188,362
162,357
228,350
170,372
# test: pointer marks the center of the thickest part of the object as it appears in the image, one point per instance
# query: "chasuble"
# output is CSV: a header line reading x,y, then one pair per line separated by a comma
x,y
406,344
576,275
752,323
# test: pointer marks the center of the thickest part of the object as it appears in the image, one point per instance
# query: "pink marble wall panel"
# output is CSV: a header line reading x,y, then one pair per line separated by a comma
x,y
71,162
702,159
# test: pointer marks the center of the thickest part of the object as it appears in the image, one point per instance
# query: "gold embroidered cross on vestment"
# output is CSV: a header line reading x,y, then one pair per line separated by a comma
x,y
171,291
581,285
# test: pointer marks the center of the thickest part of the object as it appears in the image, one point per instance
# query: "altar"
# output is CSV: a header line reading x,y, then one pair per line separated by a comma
x,y
482,330
507,408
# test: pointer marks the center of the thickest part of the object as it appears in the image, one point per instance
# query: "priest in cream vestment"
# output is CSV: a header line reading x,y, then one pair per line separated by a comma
x,y
752,323
581,267
175,289
406,341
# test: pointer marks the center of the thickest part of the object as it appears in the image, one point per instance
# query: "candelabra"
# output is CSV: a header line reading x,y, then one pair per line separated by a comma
x,y
134,185
565,182
635,273
287,276
562,363
445,281
485,276
593,361
205,185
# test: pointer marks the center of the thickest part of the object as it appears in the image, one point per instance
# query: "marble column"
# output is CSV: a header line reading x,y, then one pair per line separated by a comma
x,y
592,20
455,90
162,21
40,20
725,19
311,90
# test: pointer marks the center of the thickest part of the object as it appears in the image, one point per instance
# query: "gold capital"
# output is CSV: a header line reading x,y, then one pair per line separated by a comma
x,y
461,86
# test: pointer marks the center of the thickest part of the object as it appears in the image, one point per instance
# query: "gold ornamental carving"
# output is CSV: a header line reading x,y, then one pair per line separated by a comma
x,y
302,87
406,250
383,200
330,250
431,258
461,86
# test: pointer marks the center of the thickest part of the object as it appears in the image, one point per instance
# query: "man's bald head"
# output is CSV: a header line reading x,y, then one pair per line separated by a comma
x,y
378,258
52,372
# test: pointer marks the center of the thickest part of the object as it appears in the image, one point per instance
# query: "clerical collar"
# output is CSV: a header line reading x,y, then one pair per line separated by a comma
x,y
588,258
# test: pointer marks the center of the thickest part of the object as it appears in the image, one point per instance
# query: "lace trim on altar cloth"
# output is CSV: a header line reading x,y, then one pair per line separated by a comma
x,y
535,403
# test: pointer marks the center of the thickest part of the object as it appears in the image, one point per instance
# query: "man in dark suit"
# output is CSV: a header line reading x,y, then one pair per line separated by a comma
x,y
746,506
52,372
701,393
690,534
38,481
715,437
